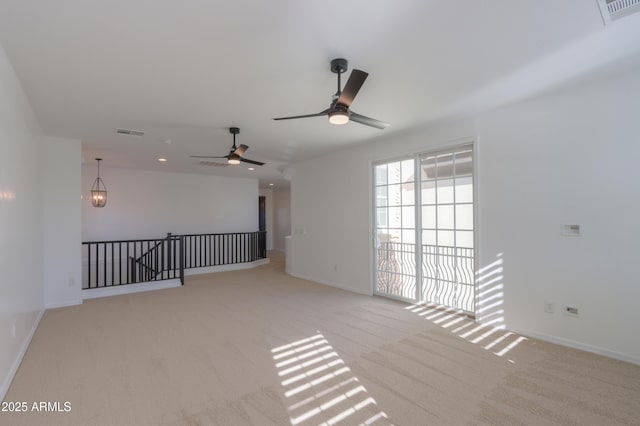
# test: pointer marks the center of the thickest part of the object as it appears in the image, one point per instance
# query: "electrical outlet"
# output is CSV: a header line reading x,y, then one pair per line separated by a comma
x,y
571,310
571,230
72,282
549,307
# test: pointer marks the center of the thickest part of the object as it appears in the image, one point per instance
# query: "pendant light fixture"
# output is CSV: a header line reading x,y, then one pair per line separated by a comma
x,y
98,190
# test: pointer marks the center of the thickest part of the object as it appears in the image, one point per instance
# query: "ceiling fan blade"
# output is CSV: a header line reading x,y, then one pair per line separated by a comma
x,y
351,89
246,160
206,156
368,121
212,163
240,150
325,112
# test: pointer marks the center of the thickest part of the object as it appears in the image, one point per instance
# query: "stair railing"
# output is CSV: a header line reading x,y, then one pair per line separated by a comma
x,y
114,263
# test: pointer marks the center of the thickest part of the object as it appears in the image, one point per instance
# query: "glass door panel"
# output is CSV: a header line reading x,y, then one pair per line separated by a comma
x,y
395,240
447,229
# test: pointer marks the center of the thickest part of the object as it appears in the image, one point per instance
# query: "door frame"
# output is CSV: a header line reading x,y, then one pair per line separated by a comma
x,y
419,299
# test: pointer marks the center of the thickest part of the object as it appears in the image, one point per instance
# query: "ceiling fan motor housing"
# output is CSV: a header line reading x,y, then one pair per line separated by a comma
x,y
339,65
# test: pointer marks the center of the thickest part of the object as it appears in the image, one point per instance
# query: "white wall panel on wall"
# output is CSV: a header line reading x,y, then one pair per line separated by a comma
x,y
566,157
148,204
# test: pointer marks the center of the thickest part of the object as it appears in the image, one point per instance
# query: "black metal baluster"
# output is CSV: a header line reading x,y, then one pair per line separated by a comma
x,y
134,266
218,250
97,265
169,259
206,261
113,281
225,251
89,265
104,264
182,259
245,255
193,246
175,264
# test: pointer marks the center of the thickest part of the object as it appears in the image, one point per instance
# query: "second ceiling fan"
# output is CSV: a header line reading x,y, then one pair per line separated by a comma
x,y
236,153
338,111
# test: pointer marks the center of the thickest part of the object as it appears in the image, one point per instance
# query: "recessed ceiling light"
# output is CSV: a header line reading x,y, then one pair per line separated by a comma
x,y
250,168
162,160
270,184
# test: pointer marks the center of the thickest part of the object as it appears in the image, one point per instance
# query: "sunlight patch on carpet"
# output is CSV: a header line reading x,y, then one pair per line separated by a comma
x,y
321,389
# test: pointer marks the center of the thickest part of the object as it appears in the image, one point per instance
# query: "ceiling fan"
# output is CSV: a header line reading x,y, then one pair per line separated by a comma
x,y
235,155
338,111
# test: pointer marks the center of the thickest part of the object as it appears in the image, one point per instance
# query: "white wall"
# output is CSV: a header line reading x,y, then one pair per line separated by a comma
x,y
567,157
267,193
148,204
329,221
281,217
21,291
62,222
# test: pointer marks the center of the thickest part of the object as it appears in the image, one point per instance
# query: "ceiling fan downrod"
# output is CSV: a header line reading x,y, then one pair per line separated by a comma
x,y
338,66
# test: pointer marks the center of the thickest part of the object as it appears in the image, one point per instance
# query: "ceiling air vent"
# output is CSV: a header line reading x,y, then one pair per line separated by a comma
x,y
612,10
128,132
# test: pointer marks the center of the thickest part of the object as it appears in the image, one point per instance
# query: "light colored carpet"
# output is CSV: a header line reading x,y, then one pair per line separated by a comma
x,y
258,347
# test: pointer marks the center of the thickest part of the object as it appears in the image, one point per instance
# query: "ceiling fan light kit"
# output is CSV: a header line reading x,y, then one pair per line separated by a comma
x,y
338,117
338,110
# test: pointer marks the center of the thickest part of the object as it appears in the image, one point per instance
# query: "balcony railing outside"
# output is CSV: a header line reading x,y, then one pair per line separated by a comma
x,y
447,273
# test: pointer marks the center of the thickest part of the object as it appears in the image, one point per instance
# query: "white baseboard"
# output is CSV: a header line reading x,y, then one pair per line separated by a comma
x,y
577,345
18,360
94,293
63,304
330,284
226,268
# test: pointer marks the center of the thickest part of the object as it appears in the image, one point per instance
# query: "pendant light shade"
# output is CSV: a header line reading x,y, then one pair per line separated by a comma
x,y
98,190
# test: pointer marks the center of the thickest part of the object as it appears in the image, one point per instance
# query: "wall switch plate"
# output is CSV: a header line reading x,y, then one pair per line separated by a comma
x,y
549,307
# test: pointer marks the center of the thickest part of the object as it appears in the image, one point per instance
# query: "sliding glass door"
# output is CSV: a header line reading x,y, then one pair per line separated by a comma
x,y
424,211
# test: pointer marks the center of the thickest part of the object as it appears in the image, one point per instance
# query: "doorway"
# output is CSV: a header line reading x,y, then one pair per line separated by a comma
x,y
262,222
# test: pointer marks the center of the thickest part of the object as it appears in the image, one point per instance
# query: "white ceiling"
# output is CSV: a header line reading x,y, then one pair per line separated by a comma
x,y
186,71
